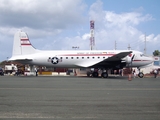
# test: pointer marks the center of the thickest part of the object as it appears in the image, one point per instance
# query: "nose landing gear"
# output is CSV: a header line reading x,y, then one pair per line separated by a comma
x,y
141,75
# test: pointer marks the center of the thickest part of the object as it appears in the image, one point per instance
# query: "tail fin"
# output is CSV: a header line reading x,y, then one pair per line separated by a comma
x,y
22,45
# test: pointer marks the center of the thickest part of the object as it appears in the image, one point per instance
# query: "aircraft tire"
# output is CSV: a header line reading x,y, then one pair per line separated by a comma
x,y
141,75
104,75
95,74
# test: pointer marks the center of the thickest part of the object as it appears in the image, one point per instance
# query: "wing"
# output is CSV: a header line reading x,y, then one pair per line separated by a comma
x,y
114,61
118,56
111,61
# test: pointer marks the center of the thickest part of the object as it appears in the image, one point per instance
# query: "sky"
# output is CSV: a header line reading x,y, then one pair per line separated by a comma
x,y
64,24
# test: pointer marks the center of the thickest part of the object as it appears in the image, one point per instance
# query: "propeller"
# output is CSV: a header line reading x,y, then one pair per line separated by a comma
x,y
132,58
132,61
129,59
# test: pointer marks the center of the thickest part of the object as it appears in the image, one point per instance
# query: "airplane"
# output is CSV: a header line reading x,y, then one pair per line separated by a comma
x,y
23,52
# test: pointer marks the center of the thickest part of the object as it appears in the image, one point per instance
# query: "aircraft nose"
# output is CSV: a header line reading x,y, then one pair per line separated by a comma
x,y
150,59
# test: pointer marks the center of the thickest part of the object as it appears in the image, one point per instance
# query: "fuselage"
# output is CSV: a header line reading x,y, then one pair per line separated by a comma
x,y
85,58
24,52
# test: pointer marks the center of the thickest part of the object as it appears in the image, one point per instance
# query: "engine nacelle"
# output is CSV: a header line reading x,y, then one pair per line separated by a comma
x,y
128,59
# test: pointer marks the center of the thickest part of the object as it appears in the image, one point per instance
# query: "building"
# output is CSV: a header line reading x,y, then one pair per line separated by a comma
x,y
155,65
157,61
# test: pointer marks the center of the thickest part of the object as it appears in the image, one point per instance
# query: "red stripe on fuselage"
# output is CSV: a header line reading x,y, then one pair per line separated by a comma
x,y
140,60
88,55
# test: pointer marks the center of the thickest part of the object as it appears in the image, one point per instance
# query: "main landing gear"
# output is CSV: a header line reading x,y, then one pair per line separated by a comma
x,y
104,74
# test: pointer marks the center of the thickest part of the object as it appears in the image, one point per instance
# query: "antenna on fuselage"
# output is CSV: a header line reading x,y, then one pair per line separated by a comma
x,y
129,47
115,45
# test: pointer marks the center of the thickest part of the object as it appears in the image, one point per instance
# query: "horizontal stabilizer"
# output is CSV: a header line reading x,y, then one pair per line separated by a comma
x,y
20,58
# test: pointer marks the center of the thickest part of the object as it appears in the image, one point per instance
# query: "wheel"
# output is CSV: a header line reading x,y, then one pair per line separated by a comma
x,y
104,75
141,75
95,74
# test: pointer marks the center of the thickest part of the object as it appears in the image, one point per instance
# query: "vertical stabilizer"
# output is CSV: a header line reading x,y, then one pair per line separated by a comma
x,y
22,45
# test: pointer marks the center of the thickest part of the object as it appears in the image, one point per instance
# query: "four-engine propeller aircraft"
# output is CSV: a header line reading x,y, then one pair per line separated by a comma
x,y
25,53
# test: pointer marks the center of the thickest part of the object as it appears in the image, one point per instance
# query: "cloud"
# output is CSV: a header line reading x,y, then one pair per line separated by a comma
x,y
42,20
131,18
86,36
61,24
44,15
119,28
157,38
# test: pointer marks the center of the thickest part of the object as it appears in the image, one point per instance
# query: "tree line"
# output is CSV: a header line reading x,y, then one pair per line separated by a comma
x,y
156,53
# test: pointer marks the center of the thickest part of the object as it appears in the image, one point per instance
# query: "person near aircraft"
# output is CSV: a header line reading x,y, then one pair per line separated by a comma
x,y
155,73
134,73
36,71
121,72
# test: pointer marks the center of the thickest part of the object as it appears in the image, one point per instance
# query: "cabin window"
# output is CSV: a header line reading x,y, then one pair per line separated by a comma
x,y
60,57
98,57
82,57
71,57
93,57
77,57
103,57
66,57
87,57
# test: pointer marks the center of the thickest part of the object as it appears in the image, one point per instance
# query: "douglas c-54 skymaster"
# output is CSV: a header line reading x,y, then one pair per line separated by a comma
x,y
25,53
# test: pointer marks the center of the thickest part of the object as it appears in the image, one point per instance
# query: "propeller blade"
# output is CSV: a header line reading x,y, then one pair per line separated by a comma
x,y
132,58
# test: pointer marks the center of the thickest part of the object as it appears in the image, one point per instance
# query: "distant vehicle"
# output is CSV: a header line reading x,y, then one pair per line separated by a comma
x,y
8,69
1,72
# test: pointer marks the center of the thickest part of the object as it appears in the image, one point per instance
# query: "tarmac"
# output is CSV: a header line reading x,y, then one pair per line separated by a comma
x,y
79,98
